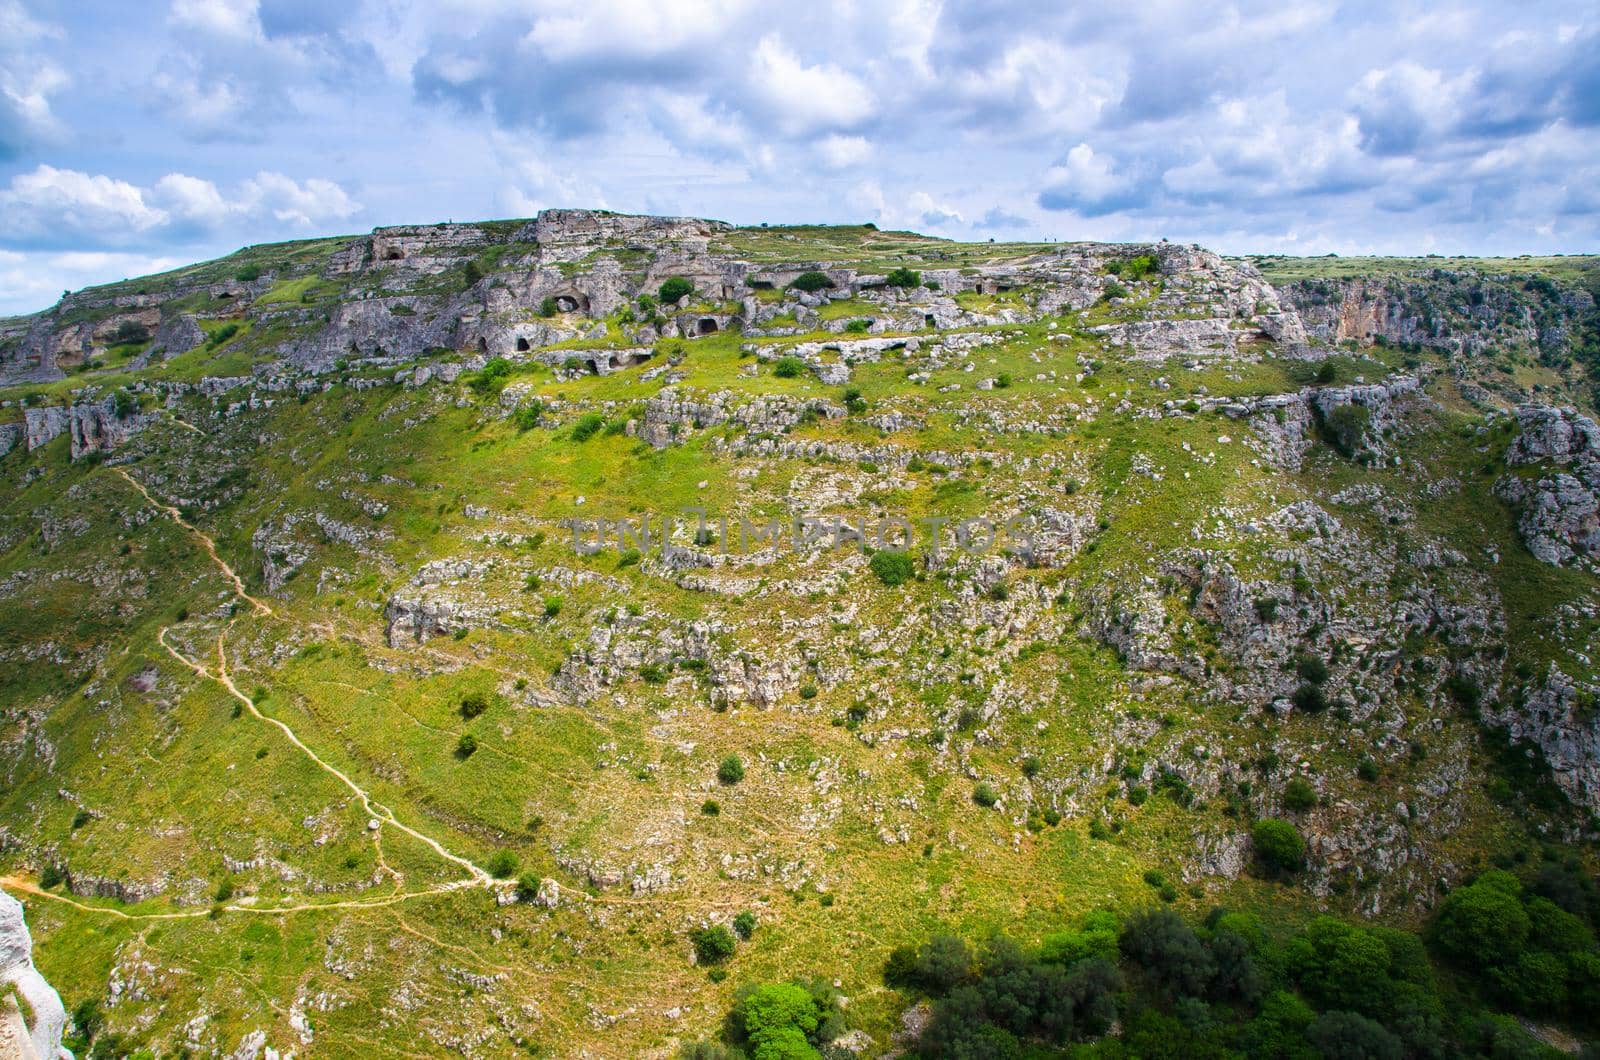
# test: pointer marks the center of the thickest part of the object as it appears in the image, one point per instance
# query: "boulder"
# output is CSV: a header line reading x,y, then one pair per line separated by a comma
x,y
39,1037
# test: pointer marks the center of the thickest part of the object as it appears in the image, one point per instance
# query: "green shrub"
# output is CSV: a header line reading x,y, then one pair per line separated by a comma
x,y
730,770
1113,289
503,865
123,404
675,288
811,282
1367,770
248,274
527,887
467,746
588,426
1299,795
1134,269
548,307
492,377
892,568
1002,381
789,368
858,326
1312,669
552,606
1278,844
711,808
473,704
471,274
1346,428
222,336
744,925
853,401
985,795
903,277
1309,699
526,418
713,945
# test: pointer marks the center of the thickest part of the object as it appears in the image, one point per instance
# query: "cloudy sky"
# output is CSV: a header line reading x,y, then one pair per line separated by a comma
x,y
140,134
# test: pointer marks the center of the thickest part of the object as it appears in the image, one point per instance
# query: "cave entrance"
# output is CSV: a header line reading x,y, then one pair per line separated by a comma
x,y
707,326
483,345
522,345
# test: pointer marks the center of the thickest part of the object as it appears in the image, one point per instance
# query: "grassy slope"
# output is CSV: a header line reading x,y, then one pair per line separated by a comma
x,y
177,783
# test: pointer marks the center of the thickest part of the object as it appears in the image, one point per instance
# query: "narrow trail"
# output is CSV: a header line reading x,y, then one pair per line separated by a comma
x,y
373,808
21,885
476,877
210,546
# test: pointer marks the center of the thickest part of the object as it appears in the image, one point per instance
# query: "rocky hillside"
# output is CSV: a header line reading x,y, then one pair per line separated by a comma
x,y
450,623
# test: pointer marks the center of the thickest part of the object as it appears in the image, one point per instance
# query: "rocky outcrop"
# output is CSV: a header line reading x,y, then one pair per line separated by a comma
x,y
99,428
1562,719
44,425
178,334
33,1032
1157,340
1555,484
11,436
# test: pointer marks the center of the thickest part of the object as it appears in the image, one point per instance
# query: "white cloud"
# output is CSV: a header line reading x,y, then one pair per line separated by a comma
x,y
30,281
804,98
842,152
1082,174
61,206
227,18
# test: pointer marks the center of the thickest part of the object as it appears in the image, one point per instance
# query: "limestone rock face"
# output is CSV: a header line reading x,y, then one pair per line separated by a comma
x,y
1559,718
49,1018
96,428
1558,512
44,425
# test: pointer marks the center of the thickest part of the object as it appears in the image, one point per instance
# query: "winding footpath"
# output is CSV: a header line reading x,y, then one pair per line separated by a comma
x,y
476,876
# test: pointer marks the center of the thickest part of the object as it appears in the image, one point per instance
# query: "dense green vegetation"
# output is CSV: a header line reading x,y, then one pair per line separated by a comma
x,y
1155,985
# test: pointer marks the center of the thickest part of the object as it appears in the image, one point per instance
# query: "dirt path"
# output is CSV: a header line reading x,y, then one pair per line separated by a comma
x,y
209,545
476,876
21,885
376,810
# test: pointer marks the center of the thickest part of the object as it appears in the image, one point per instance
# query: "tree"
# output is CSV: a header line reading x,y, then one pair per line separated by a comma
x,y
503,864
777,1019
1096,938
788,368
1342,966
713,945
937,967
730,770
1278,844
1348,1036
674,289
1169,951
1483,922
903,277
